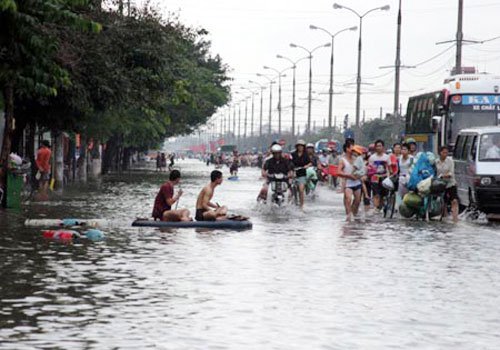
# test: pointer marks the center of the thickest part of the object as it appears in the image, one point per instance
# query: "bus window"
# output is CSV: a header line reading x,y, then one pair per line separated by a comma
x,y
467,144
459,147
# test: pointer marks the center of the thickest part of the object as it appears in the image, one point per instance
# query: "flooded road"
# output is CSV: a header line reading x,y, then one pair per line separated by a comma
x,y
296,281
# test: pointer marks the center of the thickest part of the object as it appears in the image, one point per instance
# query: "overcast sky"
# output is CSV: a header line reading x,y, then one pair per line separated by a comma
x,y
249,34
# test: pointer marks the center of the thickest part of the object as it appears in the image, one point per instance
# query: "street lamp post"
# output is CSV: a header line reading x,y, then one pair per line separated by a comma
x,y
252,92
358,77
294,68
330,92
309,102
262,88
271,82
280,75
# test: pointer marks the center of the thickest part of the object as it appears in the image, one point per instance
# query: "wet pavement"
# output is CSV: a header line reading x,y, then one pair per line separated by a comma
x,y
296,281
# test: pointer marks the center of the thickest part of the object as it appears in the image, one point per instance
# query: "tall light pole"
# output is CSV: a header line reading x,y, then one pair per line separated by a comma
x,y
358,77
271,82
262,88
252,92
280,75
294,68
330,91
310,52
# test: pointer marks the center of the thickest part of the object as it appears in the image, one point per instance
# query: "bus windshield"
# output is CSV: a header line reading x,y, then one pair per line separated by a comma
x,y
463,117
489,148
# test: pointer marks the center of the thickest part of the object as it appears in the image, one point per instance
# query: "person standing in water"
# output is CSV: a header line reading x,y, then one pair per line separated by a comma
x,y
43,165
353,186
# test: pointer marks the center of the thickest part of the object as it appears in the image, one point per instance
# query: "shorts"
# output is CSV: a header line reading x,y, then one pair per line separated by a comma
x,y
44,176
355,188
301,180
450,194
199,215
378,189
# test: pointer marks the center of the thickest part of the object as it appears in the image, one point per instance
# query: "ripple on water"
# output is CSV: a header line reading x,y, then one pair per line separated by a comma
x,y
296,281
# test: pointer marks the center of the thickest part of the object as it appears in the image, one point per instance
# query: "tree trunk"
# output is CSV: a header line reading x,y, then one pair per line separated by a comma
x,y
8,95
81,164
126,158
30,151
59,161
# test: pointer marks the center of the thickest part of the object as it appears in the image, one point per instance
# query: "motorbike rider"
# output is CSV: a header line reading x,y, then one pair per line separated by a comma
x,y
301,162
277,164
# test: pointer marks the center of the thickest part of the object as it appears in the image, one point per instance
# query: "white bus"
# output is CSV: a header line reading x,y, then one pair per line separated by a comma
x,y
467,100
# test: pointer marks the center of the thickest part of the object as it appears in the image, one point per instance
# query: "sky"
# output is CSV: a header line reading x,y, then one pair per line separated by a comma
x,y
249,34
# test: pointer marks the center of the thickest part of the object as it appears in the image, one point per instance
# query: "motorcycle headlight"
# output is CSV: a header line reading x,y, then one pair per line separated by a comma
x,y
485,181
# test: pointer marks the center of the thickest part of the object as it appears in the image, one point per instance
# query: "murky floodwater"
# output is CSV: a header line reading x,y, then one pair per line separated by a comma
x,y
296,281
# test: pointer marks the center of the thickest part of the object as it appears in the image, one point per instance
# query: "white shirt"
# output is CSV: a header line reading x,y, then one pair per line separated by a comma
x,y
446,167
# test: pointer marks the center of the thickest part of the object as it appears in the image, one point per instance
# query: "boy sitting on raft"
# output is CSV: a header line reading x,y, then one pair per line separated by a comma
x,y
165,198
206,210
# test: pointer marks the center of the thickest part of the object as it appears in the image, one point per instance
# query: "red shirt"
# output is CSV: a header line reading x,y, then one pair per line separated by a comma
x,y
394,164
161,204
43,159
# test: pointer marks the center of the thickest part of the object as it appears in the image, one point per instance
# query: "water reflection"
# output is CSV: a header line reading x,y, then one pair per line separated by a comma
x,y
296,281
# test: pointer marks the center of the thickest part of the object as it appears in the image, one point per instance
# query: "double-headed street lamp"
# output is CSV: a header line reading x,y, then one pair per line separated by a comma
x,y
271,82
294,68
330,92
358,78
280,75
310,52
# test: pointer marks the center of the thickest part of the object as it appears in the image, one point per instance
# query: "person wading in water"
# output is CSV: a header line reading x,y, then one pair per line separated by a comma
x,y
353,184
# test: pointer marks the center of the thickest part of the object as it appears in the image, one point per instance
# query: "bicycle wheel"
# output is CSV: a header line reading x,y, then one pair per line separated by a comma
x,y
391,204
385,205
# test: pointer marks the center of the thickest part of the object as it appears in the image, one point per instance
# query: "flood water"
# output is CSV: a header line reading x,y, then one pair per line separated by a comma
x,y
295,281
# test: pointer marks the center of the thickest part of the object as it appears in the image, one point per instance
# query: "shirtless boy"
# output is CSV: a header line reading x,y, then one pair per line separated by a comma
x,y
205,209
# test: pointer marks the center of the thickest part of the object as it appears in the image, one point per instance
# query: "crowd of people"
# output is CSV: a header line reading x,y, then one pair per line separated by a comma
x,y
364,175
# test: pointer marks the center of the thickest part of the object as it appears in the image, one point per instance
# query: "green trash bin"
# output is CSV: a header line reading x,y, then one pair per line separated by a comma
x,y
14,188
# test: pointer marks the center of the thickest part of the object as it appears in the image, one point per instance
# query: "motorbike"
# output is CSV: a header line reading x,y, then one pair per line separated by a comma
x,y
279,185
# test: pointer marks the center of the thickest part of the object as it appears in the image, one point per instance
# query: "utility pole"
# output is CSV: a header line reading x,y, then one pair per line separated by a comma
x,y
270,110
234,123
459,40
251,123
239,121
460,37
398,67
309,100
246,119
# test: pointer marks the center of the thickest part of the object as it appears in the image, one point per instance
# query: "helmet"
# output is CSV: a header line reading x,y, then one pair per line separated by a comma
x,y
410,140
309,145
276,149
300,142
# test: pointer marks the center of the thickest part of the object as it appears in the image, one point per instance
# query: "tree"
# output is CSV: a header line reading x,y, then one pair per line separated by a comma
x,y
27,54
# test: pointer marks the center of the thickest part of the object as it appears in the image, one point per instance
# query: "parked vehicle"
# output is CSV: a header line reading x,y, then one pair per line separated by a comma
x,y
477,168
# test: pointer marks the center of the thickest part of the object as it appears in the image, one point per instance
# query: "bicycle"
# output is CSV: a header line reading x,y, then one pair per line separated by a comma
x,y
389,198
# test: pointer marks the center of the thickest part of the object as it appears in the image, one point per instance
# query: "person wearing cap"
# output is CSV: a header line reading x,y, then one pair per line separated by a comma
x,y
277,164
353,186
301,162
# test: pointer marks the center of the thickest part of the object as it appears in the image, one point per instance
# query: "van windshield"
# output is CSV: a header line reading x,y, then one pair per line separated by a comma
x,y
489,148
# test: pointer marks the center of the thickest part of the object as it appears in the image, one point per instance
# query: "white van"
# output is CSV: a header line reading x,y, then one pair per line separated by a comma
x,y
477,168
